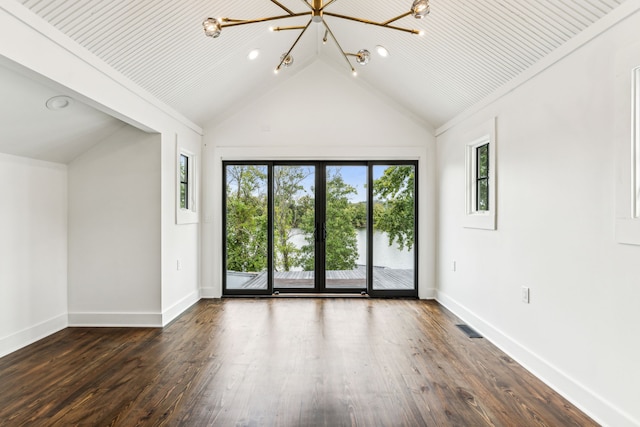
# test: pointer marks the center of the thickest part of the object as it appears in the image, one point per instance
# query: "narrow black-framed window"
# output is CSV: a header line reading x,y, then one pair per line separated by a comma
x,y
482,178
184,181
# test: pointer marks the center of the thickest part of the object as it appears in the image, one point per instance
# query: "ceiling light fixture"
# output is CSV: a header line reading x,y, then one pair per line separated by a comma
x,y
58,102
419,9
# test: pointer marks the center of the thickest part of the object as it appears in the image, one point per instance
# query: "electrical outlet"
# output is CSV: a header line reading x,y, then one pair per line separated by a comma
x,y
178,265
525,295
453,266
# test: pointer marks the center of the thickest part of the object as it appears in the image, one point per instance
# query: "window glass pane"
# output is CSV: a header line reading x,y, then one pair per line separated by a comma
x,y
393,227
346,217
246,226
483,161
183,196
184,168
483,195
293,226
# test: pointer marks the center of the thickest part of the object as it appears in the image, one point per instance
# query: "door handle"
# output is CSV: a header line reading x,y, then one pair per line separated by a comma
x,y
320,232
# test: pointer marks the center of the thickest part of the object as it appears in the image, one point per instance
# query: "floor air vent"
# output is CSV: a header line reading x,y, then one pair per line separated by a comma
x,y
471,333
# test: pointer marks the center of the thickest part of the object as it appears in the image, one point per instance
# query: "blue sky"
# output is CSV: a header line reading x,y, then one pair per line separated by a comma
x,y
355,176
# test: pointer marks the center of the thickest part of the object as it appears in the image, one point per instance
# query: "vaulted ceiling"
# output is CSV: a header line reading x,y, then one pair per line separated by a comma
x,y
469,50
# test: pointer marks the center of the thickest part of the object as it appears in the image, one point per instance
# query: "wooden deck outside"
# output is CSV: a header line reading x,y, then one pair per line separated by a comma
x,y
383,278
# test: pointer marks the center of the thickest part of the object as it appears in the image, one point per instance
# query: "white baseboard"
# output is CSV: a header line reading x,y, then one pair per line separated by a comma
x,y
178,308
118,320
430,293
32,334
209,293
592,404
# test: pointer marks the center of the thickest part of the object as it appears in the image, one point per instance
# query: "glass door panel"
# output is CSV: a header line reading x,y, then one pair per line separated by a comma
x,y
345,239
393,227
294,226
246,236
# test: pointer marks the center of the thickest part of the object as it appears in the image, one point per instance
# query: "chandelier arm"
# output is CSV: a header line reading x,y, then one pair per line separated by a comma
x,y
396,18
300,27
366,21
282,7
235,23
353,70
327,4
284,57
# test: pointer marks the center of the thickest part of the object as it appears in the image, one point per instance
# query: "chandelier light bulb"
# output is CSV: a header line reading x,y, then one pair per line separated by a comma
x,y
286,62
420,9
212,27
363,56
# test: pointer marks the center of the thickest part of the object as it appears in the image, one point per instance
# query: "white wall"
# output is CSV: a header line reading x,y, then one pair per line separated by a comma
x,y
318,114
114,232
555,233
33,250
180,242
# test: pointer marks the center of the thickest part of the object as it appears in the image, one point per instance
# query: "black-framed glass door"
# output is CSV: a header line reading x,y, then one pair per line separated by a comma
x,y
320,227
294,242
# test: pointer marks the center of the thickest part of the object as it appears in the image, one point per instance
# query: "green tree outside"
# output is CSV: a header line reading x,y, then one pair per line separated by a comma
x,y
246,218
290,205
294,212
342,240
393,209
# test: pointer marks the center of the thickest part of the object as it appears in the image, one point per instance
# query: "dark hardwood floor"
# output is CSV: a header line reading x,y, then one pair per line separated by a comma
x,y
278,362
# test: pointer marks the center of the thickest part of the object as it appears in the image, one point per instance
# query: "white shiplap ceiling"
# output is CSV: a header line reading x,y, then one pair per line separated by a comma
x,y
470,49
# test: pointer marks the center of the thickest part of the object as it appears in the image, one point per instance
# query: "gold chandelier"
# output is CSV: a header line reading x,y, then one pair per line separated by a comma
x,y
419,9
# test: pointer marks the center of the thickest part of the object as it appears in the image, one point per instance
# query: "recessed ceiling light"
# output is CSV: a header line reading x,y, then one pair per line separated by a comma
x,y
382,51
58,102
253,54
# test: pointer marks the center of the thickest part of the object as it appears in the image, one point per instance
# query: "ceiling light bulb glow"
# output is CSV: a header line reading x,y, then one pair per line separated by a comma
x,y
253,54
382,51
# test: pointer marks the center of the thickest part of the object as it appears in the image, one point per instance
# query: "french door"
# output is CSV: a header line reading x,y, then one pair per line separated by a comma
x,y
320,227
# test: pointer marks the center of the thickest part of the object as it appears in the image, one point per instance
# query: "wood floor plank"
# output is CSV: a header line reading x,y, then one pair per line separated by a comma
x,y
278,362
